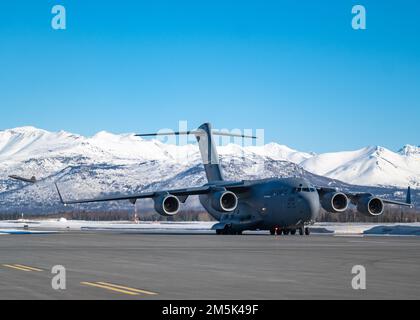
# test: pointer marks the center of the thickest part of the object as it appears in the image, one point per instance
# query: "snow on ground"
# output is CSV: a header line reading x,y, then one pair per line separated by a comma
x,y
63,224
368,228
21,231
342,228
34,226
409,230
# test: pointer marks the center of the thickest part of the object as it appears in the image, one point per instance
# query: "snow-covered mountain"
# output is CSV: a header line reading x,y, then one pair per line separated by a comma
x,y
110,163
372,166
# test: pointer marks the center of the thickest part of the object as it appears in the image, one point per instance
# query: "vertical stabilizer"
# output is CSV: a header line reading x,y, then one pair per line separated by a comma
x,y
408,200
208,152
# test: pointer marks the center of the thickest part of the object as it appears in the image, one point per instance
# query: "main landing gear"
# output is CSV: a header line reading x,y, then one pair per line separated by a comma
x,y
228,230
286,231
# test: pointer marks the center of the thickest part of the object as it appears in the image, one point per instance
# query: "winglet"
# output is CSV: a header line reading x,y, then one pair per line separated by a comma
x,y
59,194
408,200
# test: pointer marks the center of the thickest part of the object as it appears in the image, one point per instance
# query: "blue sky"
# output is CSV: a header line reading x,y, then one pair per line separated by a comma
x,y
296,69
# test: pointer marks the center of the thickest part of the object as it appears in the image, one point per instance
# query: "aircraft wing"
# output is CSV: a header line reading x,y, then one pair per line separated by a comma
x,y
181,193
396,202
133,197
354,197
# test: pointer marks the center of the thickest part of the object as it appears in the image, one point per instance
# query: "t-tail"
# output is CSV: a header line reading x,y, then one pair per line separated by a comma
x,y
205,138
208,152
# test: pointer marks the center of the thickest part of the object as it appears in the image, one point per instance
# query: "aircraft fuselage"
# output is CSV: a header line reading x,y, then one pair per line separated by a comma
x,y
286,203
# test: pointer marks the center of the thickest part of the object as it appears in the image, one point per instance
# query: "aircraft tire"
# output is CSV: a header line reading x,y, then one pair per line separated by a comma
x,y
301,231
286,232
231,232
307,231
225,231
293,232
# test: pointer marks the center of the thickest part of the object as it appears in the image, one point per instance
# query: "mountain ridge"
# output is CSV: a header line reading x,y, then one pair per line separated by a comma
x,y
372,166
123,163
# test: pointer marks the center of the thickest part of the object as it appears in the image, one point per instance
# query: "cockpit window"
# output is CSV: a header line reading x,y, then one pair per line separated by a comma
x,y
305,189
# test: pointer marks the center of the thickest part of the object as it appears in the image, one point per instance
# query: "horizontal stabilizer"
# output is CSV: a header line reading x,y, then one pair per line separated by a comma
x,y
196,133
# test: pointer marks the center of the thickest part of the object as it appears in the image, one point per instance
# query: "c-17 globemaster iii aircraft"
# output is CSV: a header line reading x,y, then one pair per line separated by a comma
x,y
31,180
281,205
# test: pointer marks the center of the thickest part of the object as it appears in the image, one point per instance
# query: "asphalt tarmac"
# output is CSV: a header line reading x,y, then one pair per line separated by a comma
x,y
116,265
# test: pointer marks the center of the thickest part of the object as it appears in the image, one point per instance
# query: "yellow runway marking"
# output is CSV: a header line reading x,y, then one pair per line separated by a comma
x,y
109,288
18,268
27,267
128,288
22,267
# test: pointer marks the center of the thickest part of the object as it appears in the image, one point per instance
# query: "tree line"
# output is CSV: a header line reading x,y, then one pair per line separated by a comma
x,y
390,215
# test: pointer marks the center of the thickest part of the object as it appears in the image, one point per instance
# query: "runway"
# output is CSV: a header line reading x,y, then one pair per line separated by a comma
x,y
115,265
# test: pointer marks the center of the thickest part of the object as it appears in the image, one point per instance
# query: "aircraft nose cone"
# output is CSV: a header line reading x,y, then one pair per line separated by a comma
x,y
312,205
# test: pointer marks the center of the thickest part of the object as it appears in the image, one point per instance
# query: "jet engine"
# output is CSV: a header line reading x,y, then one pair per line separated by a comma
x,y
224,201
370,206
167,205
334,202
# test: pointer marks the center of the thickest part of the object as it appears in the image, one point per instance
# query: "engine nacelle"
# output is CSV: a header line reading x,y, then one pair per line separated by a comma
x,y
167,205
224,201
370,206
334,202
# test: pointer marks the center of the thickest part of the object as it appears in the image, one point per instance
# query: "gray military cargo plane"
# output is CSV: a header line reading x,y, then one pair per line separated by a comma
x,y
281,205
31,180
